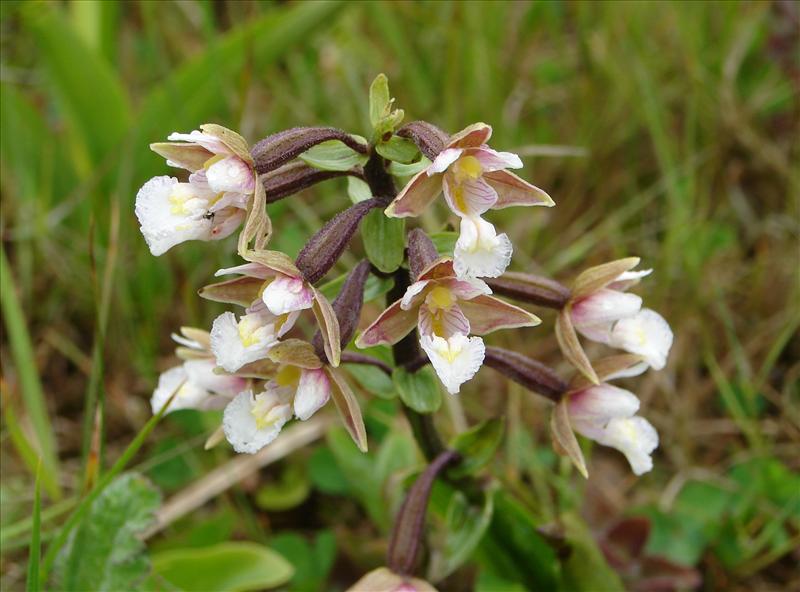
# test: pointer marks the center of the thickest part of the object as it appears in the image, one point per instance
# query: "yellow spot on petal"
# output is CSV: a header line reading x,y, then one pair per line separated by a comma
x,y
440,297
288,376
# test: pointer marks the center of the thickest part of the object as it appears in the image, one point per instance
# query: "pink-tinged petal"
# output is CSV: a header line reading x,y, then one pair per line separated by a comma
x,y
391,326
487,314
604,306
647,334
443,322
414,295
254,270
492,160
515,191
207,141
598,332
230,174
471,136
226,223
455,360
471,197
313,391
444,160
467,288
601,403
287,294
441,268
417,195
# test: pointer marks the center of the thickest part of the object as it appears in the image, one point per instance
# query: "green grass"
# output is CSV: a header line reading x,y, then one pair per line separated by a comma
x,y
664,130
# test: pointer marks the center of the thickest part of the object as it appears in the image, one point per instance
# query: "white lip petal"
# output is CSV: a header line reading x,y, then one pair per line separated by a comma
x,y
201,372
188,396
635,437
647,334
230,174
235,344
239,421
455,360
313,391
480,251
287,294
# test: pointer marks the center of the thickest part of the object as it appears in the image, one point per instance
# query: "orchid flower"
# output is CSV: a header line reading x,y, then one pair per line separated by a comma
x,y
298,384
607,415
474,179
604,312
196,383
274,280
213,203
446,309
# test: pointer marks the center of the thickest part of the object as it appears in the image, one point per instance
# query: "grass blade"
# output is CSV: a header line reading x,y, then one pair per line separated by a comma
x,y
30,385
33,584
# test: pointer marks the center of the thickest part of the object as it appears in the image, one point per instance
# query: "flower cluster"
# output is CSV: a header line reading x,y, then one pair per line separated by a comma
x,y
258,364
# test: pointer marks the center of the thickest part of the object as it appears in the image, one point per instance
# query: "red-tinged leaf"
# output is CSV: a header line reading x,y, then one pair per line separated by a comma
x,y
241,290
571,346
295,352
236,143
515,191
471,136
391,326
598,277
348,408
328,326
564,438
487,314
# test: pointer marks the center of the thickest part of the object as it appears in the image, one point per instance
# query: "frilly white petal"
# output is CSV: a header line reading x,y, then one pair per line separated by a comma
x,y
230,174
240,425
313,391
170,214
647,334
287,294
188,396
635,437
480,251
235,344
455,360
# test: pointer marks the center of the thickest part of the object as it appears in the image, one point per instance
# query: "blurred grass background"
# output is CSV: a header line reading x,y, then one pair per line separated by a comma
x,y
665,130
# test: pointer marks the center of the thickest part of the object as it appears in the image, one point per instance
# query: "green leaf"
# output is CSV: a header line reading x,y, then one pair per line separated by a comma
x,y
477,446
384,240
398,149
312,562
445,242
227,567
333,155
358,190
586,568
398,169
289,491
374,288
32,583
464,528
379,99
104,551
373,380
419,390
91,96
325,473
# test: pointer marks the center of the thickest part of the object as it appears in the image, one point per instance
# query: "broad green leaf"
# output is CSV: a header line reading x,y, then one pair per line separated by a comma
x,y
419,390
398,149
464,528
104,551
445,242
89,92
227,567
290,490
325,474
398,452
384,240
373,380
586,569
379,99
333,155
358,190
477,446
312,562
398,169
